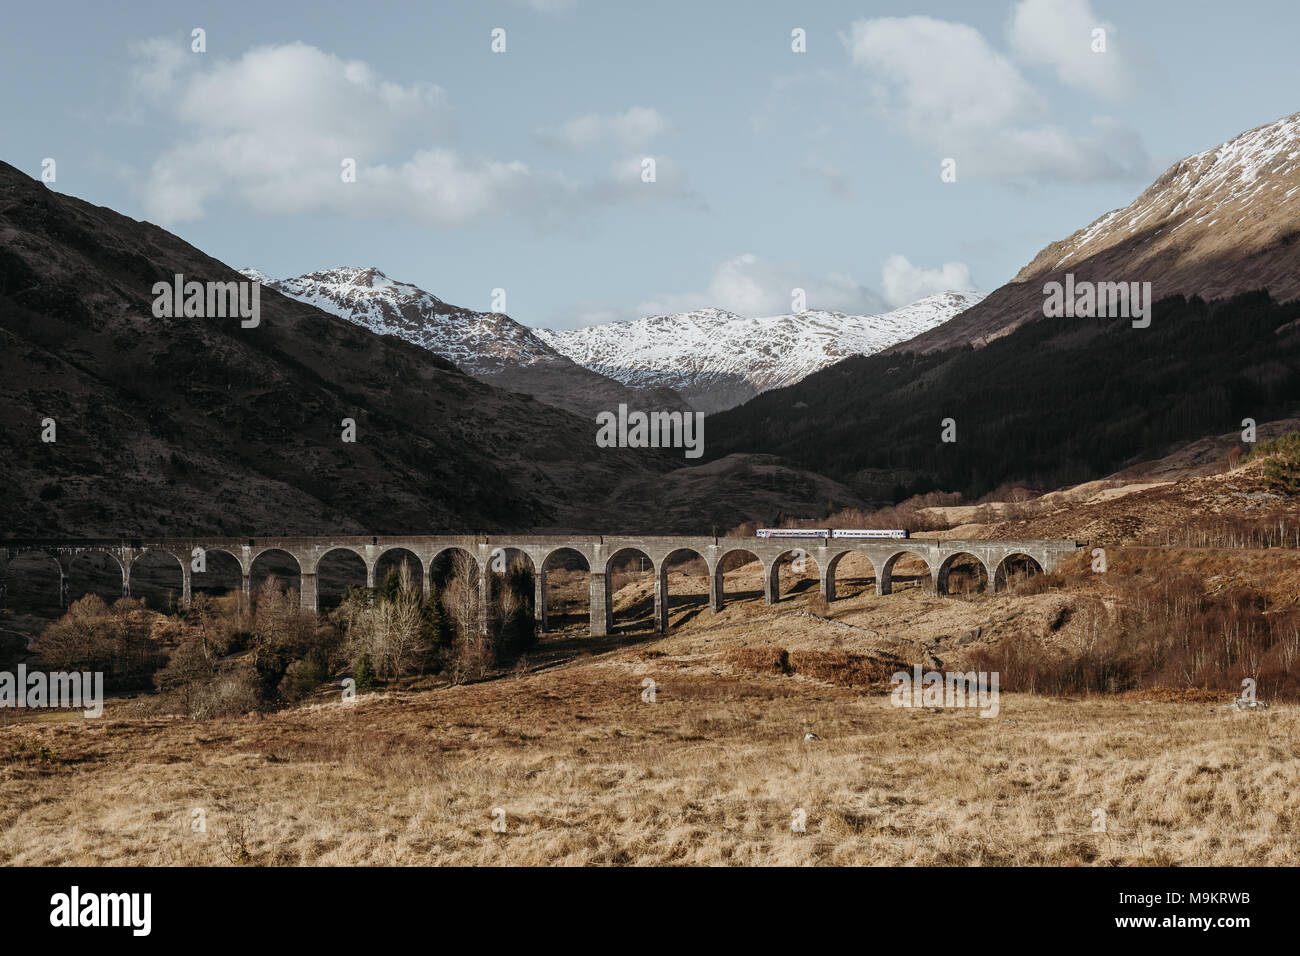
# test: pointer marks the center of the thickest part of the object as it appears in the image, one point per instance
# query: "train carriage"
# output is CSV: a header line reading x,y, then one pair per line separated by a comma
x,y
870,534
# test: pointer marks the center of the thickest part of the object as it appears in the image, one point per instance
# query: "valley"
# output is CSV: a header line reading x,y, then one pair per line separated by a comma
x,y
369,578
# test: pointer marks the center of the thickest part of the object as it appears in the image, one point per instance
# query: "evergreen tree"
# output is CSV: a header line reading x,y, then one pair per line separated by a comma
x,y
436,629
392,584
364,673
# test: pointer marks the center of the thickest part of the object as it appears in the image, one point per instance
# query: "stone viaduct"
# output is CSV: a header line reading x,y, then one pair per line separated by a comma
x,y
601,553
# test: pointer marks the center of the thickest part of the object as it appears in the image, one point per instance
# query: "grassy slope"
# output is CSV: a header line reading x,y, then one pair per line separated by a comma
x,y
711,772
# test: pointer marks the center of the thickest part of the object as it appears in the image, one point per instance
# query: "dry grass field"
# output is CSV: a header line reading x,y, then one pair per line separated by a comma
x,y
577,768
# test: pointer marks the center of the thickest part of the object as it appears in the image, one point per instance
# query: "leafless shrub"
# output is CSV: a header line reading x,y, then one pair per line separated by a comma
x,y
844,668
389,630
461,596
1277,526
92,636
231,693
764,660
474,647
1160,629
237,828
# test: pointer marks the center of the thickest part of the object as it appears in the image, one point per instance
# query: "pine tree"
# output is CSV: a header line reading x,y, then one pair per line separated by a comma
x,y
436,629
392,584
364,673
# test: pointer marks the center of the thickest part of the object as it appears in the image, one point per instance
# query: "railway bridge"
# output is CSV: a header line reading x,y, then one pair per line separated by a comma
x,y
601,554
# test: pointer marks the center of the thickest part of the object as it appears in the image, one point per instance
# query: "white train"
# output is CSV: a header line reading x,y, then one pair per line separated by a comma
x,y
826,533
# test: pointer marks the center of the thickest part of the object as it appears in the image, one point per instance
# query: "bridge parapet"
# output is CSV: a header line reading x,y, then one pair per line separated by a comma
x,y
599,551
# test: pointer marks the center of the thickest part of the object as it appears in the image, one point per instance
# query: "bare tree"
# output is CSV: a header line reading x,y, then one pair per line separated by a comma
x,y
475,647
462,597
389,631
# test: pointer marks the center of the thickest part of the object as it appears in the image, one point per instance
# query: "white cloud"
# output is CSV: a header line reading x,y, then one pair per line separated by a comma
x,y
624,182
271,130
1059,33
439,186
904,282
752,287
631,129
944,75
156,61
949,89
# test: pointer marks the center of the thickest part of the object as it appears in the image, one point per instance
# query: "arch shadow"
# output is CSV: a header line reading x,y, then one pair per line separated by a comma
x,y
158,579
34,583
273,563
738,564
689,568
222,573
338,571
798,568
391,562
962,575
630,573
1015,569
847,577
95,571
566,590
903,570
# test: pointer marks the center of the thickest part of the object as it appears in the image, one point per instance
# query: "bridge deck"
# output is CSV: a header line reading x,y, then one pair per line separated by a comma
x,y
491,552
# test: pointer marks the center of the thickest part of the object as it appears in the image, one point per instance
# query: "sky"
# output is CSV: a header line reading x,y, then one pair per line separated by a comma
x,y
524,169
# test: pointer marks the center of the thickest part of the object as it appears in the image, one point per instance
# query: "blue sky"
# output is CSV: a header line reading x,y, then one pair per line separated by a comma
x,y
522,170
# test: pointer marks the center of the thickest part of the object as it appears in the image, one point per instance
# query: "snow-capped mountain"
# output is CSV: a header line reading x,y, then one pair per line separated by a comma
x,y
717,359
478,342
490,346
1215,224
1240,194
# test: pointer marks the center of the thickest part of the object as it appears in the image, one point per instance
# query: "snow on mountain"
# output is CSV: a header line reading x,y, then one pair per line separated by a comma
x,y
1241,186
717,359
481,343
1216,224
710,358
490,346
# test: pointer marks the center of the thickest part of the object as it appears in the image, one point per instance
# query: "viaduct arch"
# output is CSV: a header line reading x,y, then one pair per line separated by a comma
x,y
599,551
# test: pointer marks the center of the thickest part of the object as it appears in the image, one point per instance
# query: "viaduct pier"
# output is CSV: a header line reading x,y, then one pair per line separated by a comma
x,y
600,552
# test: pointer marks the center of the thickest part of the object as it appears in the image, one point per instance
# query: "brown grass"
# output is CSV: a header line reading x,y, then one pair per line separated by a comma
x,y
710,773
588,772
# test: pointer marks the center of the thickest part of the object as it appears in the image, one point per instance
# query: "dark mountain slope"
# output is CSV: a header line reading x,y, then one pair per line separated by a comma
x,y
1052,403
178,425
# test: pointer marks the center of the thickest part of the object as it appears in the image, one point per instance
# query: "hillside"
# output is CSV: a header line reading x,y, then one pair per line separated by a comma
x,y
166,425
1050,404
